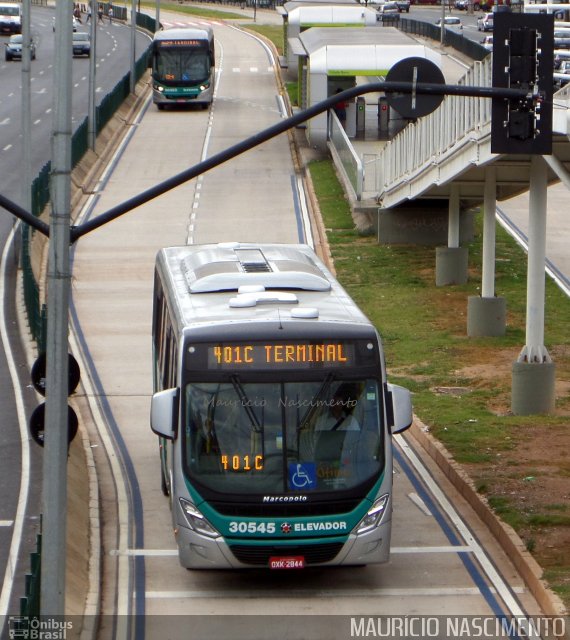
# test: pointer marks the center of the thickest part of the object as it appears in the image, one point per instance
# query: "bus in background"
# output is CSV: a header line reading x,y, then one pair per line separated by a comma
x,y
273,411
183,66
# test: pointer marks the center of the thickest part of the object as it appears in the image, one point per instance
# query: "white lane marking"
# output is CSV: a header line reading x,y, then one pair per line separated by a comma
x,y
146,553
25,444
154,553
205,146
503,590
6,523
124,523
419,503
322,593
305,213
443,549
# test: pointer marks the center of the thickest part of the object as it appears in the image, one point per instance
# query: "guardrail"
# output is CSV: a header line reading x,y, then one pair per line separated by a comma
x,y
346,158
451,125
420,142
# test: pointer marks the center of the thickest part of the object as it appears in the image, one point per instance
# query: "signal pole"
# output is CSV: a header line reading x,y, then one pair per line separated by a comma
x,y
52,595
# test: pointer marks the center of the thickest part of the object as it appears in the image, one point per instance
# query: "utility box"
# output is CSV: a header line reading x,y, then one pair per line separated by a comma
x,y
383,118
360,116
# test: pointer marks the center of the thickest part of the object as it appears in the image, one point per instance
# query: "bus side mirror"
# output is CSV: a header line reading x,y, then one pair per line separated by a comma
x,y
164,413
401,407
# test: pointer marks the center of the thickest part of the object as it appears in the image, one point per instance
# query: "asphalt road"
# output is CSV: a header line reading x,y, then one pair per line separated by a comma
x,y
444,561
20,460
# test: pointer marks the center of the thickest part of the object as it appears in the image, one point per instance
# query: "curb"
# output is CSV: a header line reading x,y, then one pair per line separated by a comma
x,y
527,567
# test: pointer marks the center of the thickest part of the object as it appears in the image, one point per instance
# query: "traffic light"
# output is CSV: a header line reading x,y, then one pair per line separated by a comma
x,y
37,419
523,58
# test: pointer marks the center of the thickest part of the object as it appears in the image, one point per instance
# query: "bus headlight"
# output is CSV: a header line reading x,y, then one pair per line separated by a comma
x,y
159,87
374,516
196,520
203,87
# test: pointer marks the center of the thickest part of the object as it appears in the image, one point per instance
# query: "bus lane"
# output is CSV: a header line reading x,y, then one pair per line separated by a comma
x,y
438,565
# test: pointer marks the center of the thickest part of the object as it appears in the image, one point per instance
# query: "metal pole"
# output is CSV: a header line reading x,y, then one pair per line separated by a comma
x,y
157,15
58,280
442,32
133,80
92,107
534,350
489,212
26,108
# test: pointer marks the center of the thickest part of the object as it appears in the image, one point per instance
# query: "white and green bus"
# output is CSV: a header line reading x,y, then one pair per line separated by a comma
x,y
273,410
183,66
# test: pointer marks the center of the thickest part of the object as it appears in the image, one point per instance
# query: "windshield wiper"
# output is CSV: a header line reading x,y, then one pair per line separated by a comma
x,y
321,393
246,404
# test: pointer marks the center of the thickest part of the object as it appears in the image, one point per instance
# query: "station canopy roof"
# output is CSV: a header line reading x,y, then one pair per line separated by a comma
x,y
330,15
360,52
289,6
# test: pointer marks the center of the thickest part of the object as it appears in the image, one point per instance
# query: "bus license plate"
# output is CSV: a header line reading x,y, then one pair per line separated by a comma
x,y
287,562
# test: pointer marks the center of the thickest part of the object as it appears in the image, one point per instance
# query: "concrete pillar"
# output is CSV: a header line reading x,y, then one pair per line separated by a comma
x,y
533,388
487,314
451,265
451,262
534,372
486,317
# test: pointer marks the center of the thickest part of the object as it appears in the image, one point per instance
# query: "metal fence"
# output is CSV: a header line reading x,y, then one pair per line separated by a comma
x,y
460,43
40,197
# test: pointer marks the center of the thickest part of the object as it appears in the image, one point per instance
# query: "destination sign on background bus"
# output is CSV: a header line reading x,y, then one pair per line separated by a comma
x,y
265,355
180,43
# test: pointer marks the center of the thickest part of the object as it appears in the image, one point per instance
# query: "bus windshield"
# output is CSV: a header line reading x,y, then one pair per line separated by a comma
x,y
282,437
181,65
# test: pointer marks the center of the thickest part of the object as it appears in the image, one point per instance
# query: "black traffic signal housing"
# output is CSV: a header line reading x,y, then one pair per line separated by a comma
x,y
36,422
523,58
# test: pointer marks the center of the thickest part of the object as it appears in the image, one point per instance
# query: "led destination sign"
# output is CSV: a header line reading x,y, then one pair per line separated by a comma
x,y
180,43
275,355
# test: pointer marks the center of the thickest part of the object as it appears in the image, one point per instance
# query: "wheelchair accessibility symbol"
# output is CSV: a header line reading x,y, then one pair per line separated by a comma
x,y
302,475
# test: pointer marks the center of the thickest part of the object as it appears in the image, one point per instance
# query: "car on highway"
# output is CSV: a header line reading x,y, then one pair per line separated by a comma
x,y
403,6
452,23
487,42
485,22
75,23
14,48
81,44
387,11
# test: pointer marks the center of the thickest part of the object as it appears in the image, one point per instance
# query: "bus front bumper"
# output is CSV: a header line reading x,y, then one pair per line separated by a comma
x,y
200,552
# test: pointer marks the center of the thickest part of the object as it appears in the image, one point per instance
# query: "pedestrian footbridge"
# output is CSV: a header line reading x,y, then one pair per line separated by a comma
x,y
449,150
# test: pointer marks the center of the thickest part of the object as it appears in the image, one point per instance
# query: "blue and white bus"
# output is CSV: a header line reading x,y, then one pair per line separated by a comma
x,y
183,64
273,410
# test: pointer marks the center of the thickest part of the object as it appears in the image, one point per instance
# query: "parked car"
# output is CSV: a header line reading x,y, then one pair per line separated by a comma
x,y
403,6
485,22
562,39
487,42
14,48
562,74
452,23
387,11
81,44
461,5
